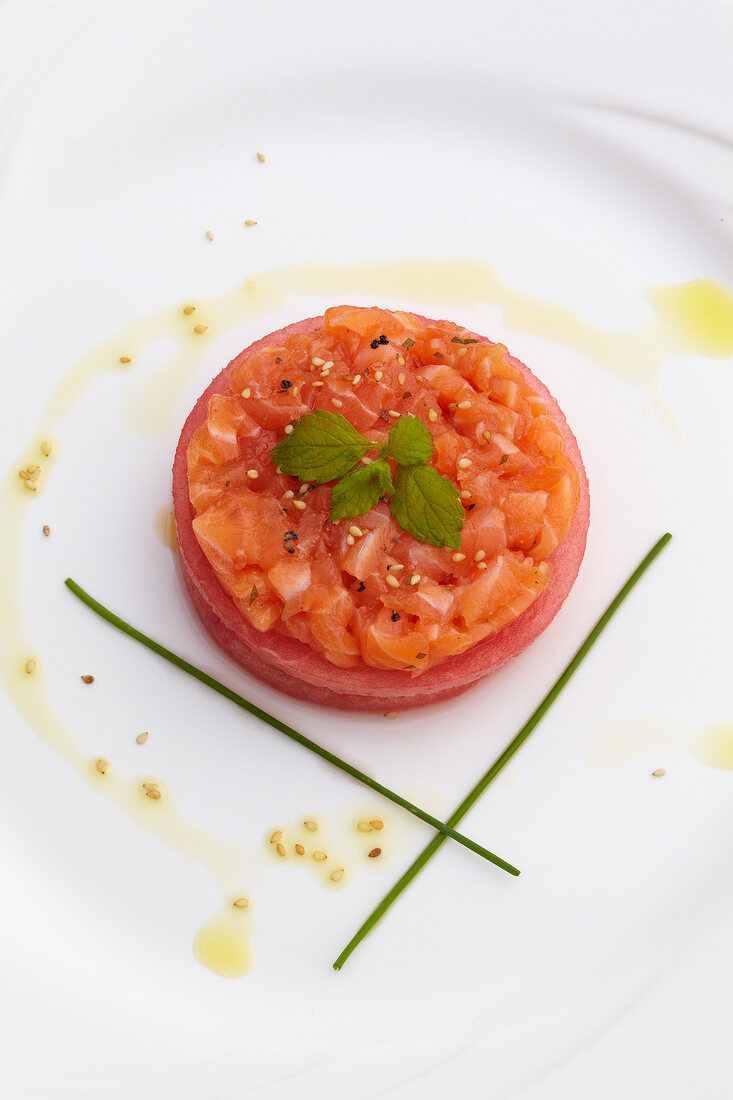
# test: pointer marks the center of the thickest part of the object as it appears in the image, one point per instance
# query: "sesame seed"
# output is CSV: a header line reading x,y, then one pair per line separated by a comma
x,y
288,495
356,531
366,461
364,827
142,738
375,852
46,448
479,555
30,666
392,581
247,392
209,234
401,360
87,679
305,486
46,530
277,835
288,429
464,405
300,850
318,383
328,364
451,406
261,158
396,567
240,903
317,362
33,472
188,310
419,378
393,413
486,436
320,856
125,359
392,714
335,401
482,565
415,578
458,557
350,540
377,823
253,474
300,505
311,826
462,351
463,463
154,794
198,329
101,765
250,221
23,475
356,380
432,416
659,772
401,379
30,486
337,875
465,495
378,375
280,849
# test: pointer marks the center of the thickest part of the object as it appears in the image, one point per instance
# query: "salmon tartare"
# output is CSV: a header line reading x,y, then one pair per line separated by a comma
x,y
359,612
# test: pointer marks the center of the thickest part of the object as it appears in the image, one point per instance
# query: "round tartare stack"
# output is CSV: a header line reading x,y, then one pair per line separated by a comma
x,y
359,614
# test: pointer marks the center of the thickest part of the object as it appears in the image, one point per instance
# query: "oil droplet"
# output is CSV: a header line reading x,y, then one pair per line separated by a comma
x,y
224,945
716,747
699,314
165,528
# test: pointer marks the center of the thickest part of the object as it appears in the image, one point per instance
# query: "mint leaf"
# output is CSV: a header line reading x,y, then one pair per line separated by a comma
x,y
427,505
321,447
360,490
409,442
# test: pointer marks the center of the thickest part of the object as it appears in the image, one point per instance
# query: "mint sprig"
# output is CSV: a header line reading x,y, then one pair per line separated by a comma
x,y
324,446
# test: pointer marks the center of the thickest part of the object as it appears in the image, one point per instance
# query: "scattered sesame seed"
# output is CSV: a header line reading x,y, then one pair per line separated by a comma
x,y
188,310
328,365
142,738
366,461
375,852
30,666
356,380
101,765
33,472
253,474
335,401
46,448
151,791
356,531
318,362
487,436
419,378
401,379
394,413
482,565
277,835
250,221
87,679
465,494
401,360
261,158
337,875
198,329
458,557
46,530
305,486
280,849
415,578
464,405
392,714
246,392
451,406
659,772
311,826
364,827
209,234
320,856
288,429
432,416
461,351
125,359
377,823
378,375
396,567
318,383
463,463
240,903
479,555
300,850
300,505
30,486
23,475
350,540
392,581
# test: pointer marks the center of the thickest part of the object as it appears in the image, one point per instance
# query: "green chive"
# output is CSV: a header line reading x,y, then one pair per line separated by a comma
x,y
204,678
408,344
501,762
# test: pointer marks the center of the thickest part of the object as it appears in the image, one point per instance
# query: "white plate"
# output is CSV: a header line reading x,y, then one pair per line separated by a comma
x,y
586,157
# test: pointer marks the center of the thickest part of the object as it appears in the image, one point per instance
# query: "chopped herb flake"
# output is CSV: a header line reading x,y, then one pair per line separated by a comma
x,y
420,656
408,344
503,459
253,595
460,340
